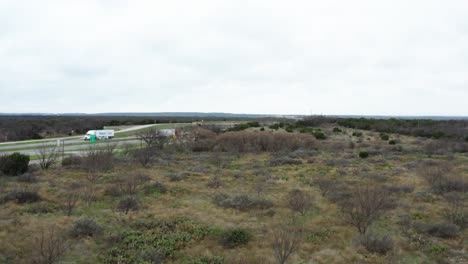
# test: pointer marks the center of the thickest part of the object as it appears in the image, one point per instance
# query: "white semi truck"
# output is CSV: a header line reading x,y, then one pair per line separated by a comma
x,y
99,134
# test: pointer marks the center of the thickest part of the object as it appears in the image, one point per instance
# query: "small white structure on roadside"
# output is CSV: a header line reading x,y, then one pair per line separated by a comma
x,y
167,132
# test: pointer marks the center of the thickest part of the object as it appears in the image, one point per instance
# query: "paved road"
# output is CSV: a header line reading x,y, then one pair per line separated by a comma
x,y
78,148
29,147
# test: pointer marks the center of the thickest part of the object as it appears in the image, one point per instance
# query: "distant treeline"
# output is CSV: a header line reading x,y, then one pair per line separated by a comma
x,y
14,128
24,127
455,129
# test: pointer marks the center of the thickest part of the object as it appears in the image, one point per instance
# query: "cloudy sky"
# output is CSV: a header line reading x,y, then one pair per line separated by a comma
x,y
368,57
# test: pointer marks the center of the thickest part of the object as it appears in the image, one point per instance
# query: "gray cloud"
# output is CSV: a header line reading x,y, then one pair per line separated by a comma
x,y
304,57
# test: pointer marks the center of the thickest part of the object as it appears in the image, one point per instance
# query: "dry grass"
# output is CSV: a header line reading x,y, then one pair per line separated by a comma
x,y
327,238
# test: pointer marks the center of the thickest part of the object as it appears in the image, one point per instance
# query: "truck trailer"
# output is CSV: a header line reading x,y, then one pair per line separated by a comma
x,y
99,134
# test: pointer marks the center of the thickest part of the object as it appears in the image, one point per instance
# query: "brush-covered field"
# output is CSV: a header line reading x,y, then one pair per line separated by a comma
x,y
254,196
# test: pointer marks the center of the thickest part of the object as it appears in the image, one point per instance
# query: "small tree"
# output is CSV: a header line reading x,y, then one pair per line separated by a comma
x,y
299,201
286,241
365,206
152,137
48,155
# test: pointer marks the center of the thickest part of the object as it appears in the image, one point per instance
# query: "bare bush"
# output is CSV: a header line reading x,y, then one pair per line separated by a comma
x,y
145,156
399,188
22,196
215,182
456,212
70,200
246,141
220,160
442,230
71,161
286,241
325,185
375,244
435,171
129,183
365,206
178,176
285,161
450,184
47,155
89,193
437,175
49,246
128,204
98,159
201,139
298,201
28,178
241,202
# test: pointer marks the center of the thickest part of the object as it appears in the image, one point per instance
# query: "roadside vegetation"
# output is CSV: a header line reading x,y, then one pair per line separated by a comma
x,y
260,192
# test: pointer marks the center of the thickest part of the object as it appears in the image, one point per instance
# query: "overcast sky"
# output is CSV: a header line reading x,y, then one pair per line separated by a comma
x,y
370,57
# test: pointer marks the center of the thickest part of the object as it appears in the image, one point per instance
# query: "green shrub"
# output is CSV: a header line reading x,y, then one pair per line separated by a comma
x,y
337,130
438,249
235,237
14,164
384,137
437,134
319,135
392,142
243,126
277,126
363,154
156,187
85,228
357,134
155,241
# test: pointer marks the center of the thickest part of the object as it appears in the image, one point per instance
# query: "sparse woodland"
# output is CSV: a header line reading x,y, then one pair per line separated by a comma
x,y
299,193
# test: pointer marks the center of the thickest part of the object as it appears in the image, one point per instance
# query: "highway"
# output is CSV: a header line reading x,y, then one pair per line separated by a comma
x,y
72,143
